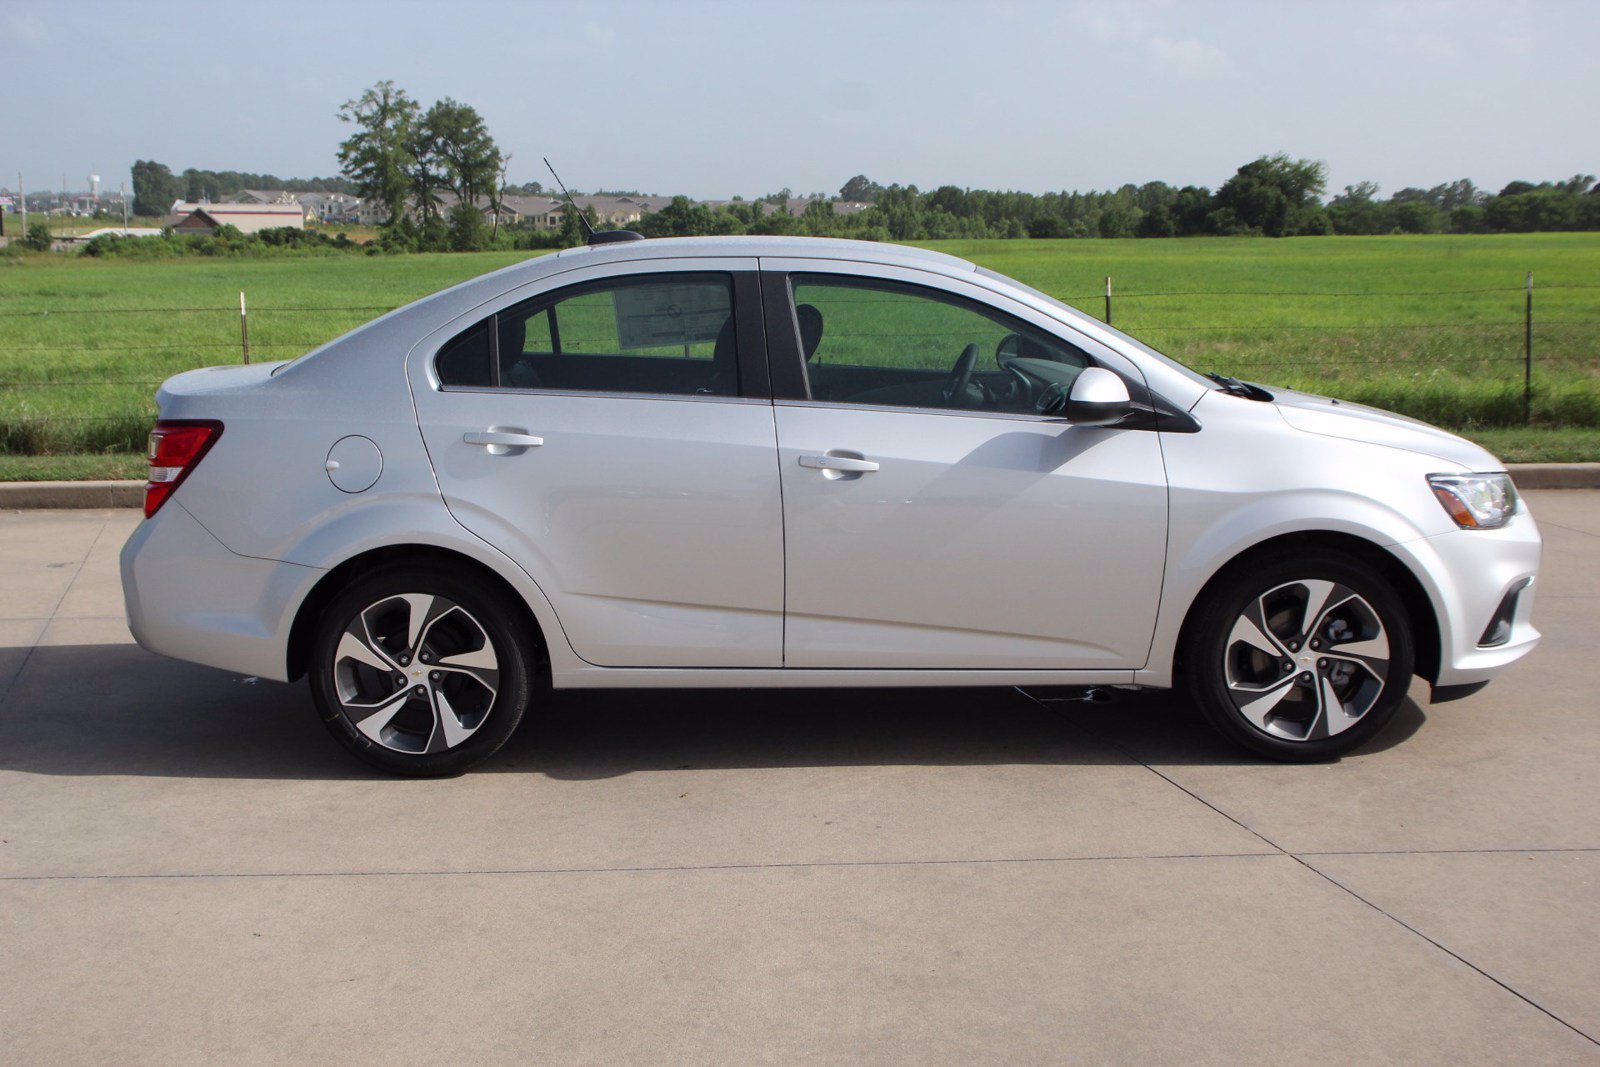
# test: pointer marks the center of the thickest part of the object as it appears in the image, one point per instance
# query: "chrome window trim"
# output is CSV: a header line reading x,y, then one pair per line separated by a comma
x,y
507,390
1011,416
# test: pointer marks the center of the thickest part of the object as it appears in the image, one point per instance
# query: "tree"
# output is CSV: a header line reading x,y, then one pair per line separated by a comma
x,y
424,168
1416,216
1357,210
468,232
154,188
377,156
1274,195
1456,194
860,188
468,155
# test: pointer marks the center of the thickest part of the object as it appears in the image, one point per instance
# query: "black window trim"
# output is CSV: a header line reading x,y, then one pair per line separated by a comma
x,y
790,386
750,342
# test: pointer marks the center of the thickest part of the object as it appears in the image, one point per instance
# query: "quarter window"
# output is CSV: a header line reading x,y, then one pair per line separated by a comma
x,y
875,342
667,334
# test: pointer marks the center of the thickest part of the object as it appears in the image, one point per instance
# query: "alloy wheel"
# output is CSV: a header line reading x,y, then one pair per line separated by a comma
x,y
415,673
1306,660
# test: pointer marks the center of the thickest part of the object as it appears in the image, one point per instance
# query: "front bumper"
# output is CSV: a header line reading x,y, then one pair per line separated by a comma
x,y
1471,572
189,597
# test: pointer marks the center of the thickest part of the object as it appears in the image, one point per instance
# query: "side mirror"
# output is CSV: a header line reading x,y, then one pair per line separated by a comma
x,y
1098,398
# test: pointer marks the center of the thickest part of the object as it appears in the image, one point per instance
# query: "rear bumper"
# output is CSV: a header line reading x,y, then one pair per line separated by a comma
x,y
189,597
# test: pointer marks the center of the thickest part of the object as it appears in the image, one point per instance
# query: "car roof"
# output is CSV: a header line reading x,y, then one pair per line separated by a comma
x,y
772,247
473,291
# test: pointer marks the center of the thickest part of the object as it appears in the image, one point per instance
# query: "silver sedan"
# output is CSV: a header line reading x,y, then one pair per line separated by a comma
x,y
761,462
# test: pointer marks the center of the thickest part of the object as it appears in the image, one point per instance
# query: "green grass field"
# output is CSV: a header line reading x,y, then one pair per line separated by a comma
x,y
83,343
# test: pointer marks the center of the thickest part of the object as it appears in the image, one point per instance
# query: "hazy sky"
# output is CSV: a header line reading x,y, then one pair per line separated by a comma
x,y
713,99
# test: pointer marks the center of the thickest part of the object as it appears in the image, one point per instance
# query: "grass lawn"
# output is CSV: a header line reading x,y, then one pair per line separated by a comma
x,y
83,343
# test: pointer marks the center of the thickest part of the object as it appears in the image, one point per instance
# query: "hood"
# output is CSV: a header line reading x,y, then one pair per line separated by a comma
x,y
1357,422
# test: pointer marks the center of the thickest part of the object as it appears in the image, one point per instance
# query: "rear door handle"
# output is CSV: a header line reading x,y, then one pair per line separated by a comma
x,y
502,442
839,463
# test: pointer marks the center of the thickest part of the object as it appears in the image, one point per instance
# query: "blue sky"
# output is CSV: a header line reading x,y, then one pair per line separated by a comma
x,y
713,99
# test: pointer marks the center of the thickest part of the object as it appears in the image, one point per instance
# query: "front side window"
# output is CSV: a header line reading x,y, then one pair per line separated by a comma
x,y
658,333
875,342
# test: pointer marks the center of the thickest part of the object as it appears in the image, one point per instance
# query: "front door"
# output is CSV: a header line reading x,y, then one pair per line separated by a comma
x,y
933,518
614,437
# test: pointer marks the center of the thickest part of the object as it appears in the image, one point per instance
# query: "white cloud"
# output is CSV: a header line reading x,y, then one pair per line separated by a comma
x,y
1189,58
598,34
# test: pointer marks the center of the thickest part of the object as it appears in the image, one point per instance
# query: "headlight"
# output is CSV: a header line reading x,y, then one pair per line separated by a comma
x,y
1476,501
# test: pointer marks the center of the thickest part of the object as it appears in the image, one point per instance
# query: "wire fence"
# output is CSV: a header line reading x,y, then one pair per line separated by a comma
x,y
66,370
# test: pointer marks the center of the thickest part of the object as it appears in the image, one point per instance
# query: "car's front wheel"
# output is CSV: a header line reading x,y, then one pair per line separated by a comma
x,y
1301,656
421,671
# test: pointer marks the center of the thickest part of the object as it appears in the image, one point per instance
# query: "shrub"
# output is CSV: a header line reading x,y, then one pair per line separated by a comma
x,y
37,239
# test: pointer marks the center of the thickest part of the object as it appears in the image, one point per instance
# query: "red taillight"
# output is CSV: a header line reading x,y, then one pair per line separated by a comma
x,y
176,447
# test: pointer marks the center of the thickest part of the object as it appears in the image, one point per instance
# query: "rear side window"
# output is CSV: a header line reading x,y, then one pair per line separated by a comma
x,y
668,334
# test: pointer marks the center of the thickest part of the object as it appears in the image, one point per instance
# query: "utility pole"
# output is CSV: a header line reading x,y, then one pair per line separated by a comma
x,y
124,189
22,191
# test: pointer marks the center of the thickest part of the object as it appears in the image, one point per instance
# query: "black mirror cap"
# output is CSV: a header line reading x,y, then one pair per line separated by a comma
x,y
1089,413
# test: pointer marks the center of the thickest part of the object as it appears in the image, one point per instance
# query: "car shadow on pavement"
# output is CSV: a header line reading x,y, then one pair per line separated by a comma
x,y
118,710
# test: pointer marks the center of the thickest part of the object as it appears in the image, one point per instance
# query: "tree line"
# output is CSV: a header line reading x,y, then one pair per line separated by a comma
x,y
410,159
155,186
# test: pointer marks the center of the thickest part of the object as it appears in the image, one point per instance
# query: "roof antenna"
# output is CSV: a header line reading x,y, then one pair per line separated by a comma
x,y
581,217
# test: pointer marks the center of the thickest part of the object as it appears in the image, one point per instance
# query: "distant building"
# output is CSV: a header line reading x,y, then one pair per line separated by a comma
x,y
248,218
261,196
329,207
319,206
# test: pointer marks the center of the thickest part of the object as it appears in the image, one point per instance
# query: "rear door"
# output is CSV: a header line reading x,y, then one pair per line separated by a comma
x,y
612,432
933,518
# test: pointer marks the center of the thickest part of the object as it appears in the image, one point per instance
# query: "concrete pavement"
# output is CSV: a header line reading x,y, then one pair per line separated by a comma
x,y
192,871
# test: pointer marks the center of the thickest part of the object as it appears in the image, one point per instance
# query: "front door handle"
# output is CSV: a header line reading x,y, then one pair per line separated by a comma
x,y
502,442
839,463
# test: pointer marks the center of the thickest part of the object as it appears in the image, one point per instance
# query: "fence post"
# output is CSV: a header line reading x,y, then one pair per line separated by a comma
x,y
244,328
1108,300
1527,357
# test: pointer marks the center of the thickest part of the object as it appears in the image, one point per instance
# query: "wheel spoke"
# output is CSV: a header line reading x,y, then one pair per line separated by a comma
x,y
481,666
1251,628
1318,593
358,645
377,715
1335,716
421,605
447,729
1263,701
1371,653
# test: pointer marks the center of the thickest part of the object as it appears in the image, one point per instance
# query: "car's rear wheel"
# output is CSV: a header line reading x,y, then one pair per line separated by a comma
x,y
1301,656
422,672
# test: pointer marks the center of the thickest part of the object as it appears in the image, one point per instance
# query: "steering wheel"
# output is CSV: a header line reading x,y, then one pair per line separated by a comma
x,y
955,388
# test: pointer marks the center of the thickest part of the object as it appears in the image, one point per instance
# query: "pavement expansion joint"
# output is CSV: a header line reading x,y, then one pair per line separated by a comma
x,y
77,572
1304,862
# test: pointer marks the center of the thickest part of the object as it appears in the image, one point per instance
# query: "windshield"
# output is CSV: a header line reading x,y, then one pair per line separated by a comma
x,y
1133,341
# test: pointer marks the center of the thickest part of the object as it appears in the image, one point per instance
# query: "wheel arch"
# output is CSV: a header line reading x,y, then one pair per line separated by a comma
x,y
303,630
1414,598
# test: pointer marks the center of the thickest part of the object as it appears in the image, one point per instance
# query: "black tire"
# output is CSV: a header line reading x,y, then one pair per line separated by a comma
x,y
442,708
1224,665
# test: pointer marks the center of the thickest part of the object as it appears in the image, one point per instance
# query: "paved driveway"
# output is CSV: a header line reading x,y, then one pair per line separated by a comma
x,y
191,871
